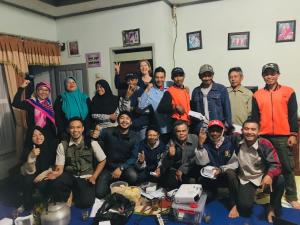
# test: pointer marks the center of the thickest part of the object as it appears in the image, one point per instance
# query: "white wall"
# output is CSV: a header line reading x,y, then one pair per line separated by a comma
x,y
100,31
22,22
217,19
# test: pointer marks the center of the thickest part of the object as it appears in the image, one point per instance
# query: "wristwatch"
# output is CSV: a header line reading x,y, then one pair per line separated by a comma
x,y
121,168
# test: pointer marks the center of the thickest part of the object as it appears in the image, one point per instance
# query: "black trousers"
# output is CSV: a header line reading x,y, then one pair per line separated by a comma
x,y
246,196
83,191
227,179
105,179
28,187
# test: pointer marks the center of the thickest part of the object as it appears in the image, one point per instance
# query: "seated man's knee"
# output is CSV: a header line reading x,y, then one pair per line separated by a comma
x,y
131,176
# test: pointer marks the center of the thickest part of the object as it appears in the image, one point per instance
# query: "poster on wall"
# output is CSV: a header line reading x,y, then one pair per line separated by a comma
x,y
238,40
73,48
286,31
93,59
194,40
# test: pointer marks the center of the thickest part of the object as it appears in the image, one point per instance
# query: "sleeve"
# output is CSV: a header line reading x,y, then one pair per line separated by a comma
x,y
144,100
133,158
165,105
118,83
292,114
124,104
98,152
60,155
101,117
201,155
226,106
29,167
17,102
249,106
231,164
255,115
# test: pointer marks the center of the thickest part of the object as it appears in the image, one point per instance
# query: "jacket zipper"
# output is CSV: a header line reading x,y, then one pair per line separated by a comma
x,y
272,113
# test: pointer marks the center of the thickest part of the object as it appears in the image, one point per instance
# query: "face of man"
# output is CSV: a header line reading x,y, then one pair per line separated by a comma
x,y
235,79
182,132
271,78
160,78
215,133
207,79
42,92
250,132
76,129
152,137
124,121
178,80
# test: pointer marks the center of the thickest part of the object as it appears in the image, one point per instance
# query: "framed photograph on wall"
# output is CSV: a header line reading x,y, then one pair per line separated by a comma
x,y
131,37
238,40
286,31
73,48
194,40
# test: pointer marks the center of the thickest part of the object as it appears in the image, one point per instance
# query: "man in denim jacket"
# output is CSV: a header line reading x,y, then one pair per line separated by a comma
x,y
210,99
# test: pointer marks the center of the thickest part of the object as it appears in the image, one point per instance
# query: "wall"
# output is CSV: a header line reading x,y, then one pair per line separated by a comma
x,y
217,19
98,32
21,22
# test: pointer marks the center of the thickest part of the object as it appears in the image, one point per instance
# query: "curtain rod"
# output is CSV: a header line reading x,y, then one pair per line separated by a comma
x,y
28,38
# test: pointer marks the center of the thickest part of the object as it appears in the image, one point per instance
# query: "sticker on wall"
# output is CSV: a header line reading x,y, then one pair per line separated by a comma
x,y
73,48
93,59
194,40
286,31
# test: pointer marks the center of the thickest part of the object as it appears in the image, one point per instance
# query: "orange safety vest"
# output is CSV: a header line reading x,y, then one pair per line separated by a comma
x,y
273,110
180,96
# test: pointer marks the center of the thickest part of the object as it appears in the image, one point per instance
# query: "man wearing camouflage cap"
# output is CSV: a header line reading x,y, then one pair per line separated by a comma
x,y
275,107
210,99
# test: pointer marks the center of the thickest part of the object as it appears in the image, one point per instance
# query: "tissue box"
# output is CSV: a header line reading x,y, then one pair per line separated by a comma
x,y
190,213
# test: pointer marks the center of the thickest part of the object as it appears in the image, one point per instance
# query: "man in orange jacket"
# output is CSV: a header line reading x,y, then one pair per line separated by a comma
x,y
275,107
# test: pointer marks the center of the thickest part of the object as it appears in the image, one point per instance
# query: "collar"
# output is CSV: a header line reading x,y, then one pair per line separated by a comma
x,y
240,89
71,142
277,87
188,141
255,145
155,145
116,132
212,86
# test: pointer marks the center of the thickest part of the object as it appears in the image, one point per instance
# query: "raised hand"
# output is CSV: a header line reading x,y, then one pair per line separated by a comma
x,y
25,83
202,136
172,149
141,157
130,91
117,67
35,151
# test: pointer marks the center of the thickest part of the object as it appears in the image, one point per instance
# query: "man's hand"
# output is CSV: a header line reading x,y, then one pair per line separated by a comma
x,y
141,157
130,91
180,109
216,171
157,171
91,179
202,136
113,117
35,151
149,86
172,149
266,181
117,173
292,141
52,175
25,83
117,68
179,175
95,133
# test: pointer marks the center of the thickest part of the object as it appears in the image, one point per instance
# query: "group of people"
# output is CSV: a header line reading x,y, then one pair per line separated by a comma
x,y
81,146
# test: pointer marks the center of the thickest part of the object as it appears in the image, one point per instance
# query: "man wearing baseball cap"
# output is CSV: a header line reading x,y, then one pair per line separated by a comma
x,y
218,151
176,100
210,99
275,107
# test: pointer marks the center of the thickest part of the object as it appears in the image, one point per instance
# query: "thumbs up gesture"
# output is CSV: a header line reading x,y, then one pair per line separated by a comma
x,y
141,157
35,151
202,136
172,149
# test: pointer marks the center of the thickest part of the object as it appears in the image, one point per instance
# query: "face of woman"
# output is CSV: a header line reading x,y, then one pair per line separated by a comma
x,y
37,137
42,92
144,68
71,85
100,90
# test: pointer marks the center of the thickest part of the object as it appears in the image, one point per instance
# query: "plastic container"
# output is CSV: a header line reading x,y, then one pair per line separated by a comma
x,y
118,186
190,213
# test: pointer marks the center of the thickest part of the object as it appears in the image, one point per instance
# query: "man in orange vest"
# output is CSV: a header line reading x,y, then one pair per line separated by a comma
x,y
176,100
275,107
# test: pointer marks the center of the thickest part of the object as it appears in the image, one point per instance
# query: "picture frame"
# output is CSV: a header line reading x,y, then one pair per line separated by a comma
x,y
93,59
286,31
73,48
131,37
238,40
194,40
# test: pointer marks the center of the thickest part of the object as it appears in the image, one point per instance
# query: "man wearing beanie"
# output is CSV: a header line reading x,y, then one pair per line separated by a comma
x,y
176,100
210,99
275,107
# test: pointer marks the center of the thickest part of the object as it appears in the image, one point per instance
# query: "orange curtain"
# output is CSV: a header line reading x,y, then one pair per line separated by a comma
x,y
16,54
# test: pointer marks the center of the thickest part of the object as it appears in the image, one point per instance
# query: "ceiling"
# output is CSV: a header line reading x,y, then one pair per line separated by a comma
x,y
66,8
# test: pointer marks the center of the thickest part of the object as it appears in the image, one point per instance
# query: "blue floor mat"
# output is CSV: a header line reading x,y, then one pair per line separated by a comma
x,y
215,209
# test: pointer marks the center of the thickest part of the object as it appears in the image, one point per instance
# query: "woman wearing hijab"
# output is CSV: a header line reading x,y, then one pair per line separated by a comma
x,y
39,110
104,107
71,103
38,158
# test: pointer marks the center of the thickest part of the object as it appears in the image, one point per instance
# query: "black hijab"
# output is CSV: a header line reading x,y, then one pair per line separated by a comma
x,y
47,154
104,104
